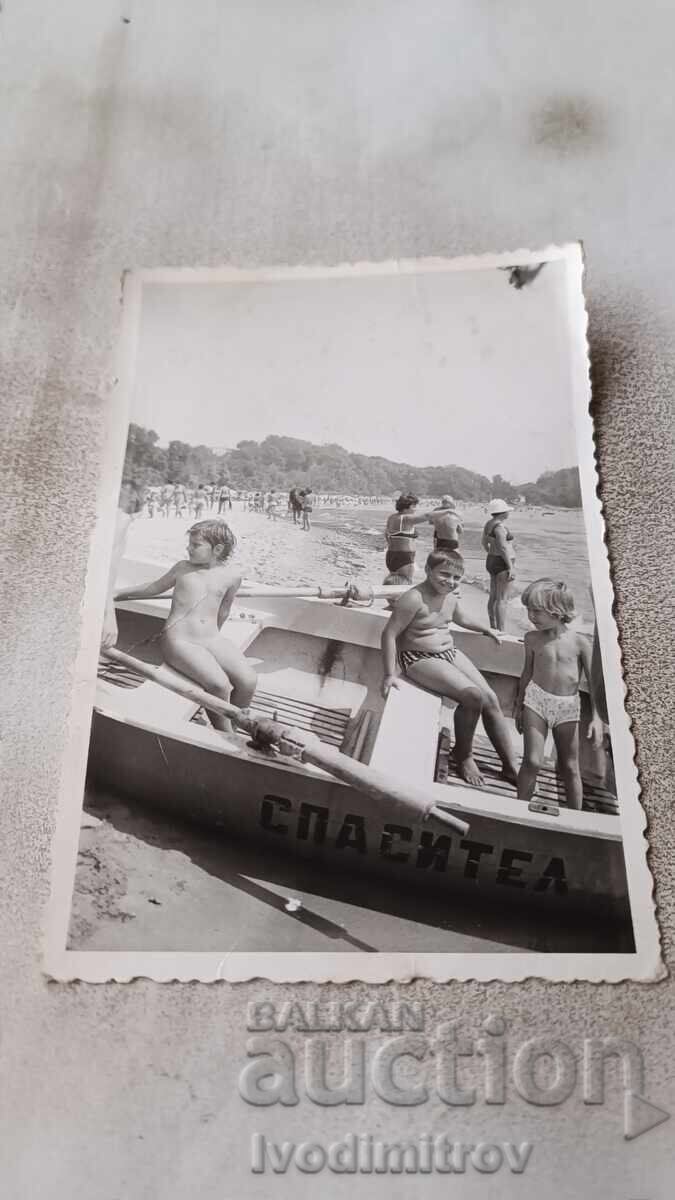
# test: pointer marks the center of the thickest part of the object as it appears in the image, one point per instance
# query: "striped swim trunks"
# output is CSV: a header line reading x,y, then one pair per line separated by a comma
x,y
406,658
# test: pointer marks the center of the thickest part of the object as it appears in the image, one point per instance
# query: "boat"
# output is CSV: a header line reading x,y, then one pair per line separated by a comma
x,y
319,670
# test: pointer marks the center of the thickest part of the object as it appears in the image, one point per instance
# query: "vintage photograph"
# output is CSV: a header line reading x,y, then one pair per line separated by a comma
x,y
357,707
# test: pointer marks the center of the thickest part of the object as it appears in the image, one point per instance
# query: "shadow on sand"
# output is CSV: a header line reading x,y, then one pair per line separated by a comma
x,y
257,873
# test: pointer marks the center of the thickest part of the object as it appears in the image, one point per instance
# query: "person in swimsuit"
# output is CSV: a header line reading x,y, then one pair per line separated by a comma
x,y
447,526
199,501
204,586
224,498
548,693
165,499
307,506
500,563
417,635
179,499
401,533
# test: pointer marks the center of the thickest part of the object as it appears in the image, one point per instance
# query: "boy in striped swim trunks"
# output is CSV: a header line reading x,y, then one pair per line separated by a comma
x,y
418,638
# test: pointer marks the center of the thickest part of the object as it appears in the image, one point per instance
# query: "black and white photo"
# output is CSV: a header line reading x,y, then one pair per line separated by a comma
x,y
352,687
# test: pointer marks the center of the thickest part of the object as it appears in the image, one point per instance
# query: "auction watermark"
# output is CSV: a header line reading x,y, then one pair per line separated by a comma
x,y
366,1155
422,1058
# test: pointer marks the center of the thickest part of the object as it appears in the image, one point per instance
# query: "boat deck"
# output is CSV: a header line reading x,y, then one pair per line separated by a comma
x,y
354,735
550,789
335,726
330,724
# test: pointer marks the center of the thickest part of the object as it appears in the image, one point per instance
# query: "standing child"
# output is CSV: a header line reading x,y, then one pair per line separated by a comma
x,y
204,586
548,693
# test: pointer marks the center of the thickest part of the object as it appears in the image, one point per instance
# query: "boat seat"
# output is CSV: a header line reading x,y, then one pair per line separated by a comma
x,y
153,703
330,724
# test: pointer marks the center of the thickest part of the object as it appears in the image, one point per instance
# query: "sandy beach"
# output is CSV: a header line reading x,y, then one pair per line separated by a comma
x,y
347,544
147,881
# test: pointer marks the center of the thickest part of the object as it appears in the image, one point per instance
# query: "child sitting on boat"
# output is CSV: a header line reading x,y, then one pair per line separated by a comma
x,y
204,586
548,693
418,636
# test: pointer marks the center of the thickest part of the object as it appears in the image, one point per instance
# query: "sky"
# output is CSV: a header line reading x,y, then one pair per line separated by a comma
x,y
452,367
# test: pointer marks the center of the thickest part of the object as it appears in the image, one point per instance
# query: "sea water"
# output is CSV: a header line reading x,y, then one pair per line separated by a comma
x,y
547,543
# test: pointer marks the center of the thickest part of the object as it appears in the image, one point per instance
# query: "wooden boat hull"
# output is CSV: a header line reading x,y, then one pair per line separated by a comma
x,y
301,813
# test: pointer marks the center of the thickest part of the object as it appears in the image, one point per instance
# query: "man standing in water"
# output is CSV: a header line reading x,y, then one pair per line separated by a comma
x,y
417,634
447,525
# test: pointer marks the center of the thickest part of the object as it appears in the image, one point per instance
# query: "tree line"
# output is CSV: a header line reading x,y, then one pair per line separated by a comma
x,y
285,462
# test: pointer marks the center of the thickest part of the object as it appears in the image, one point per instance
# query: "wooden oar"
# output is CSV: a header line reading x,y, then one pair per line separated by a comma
x,y
305,747
363,592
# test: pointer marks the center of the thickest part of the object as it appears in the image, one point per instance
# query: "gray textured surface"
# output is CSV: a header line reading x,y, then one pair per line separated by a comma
x,y
298,131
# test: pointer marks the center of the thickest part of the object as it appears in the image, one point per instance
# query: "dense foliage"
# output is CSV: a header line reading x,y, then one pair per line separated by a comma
x,y
559,488
284,462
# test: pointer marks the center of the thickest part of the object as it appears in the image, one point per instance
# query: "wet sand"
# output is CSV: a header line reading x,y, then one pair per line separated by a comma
x,y
146,881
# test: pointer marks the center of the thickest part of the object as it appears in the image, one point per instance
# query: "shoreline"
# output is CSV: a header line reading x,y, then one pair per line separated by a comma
x,y
278,552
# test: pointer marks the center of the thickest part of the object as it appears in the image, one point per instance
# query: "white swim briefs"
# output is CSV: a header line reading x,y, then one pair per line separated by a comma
x,y
555,710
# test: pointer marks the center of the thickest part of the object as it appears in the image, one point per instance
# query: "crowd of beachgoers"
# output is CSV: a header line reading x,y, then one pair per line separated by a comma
x,y
181,499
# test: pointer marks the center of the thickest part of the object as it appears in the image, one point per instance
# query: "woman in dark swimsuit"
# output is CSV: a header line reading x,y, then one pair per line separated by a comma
x,y
447,525
401,533
500,563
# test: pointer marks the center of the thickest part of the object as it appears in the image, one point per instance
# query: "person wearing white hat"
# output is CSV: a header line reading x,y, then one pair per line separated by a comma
x,y
500,563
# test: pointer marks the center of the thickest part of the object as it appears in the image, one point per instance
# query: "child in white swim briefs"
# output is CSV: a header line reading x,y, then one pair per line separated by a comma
x,y
548,693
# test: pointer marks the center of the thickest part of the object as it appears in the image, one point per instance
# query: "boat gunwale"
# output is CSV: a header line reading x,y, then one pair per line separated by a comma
x,y
263,618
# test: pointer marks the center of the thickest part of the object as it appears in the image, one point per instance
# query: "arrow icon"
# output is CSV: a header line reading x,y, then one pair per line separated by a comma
x,y
639,1115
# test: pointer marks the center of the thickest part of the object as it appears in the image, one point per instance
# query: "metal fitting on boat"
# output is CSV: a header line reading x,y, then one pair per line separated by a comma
x,y
265,734
356,593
